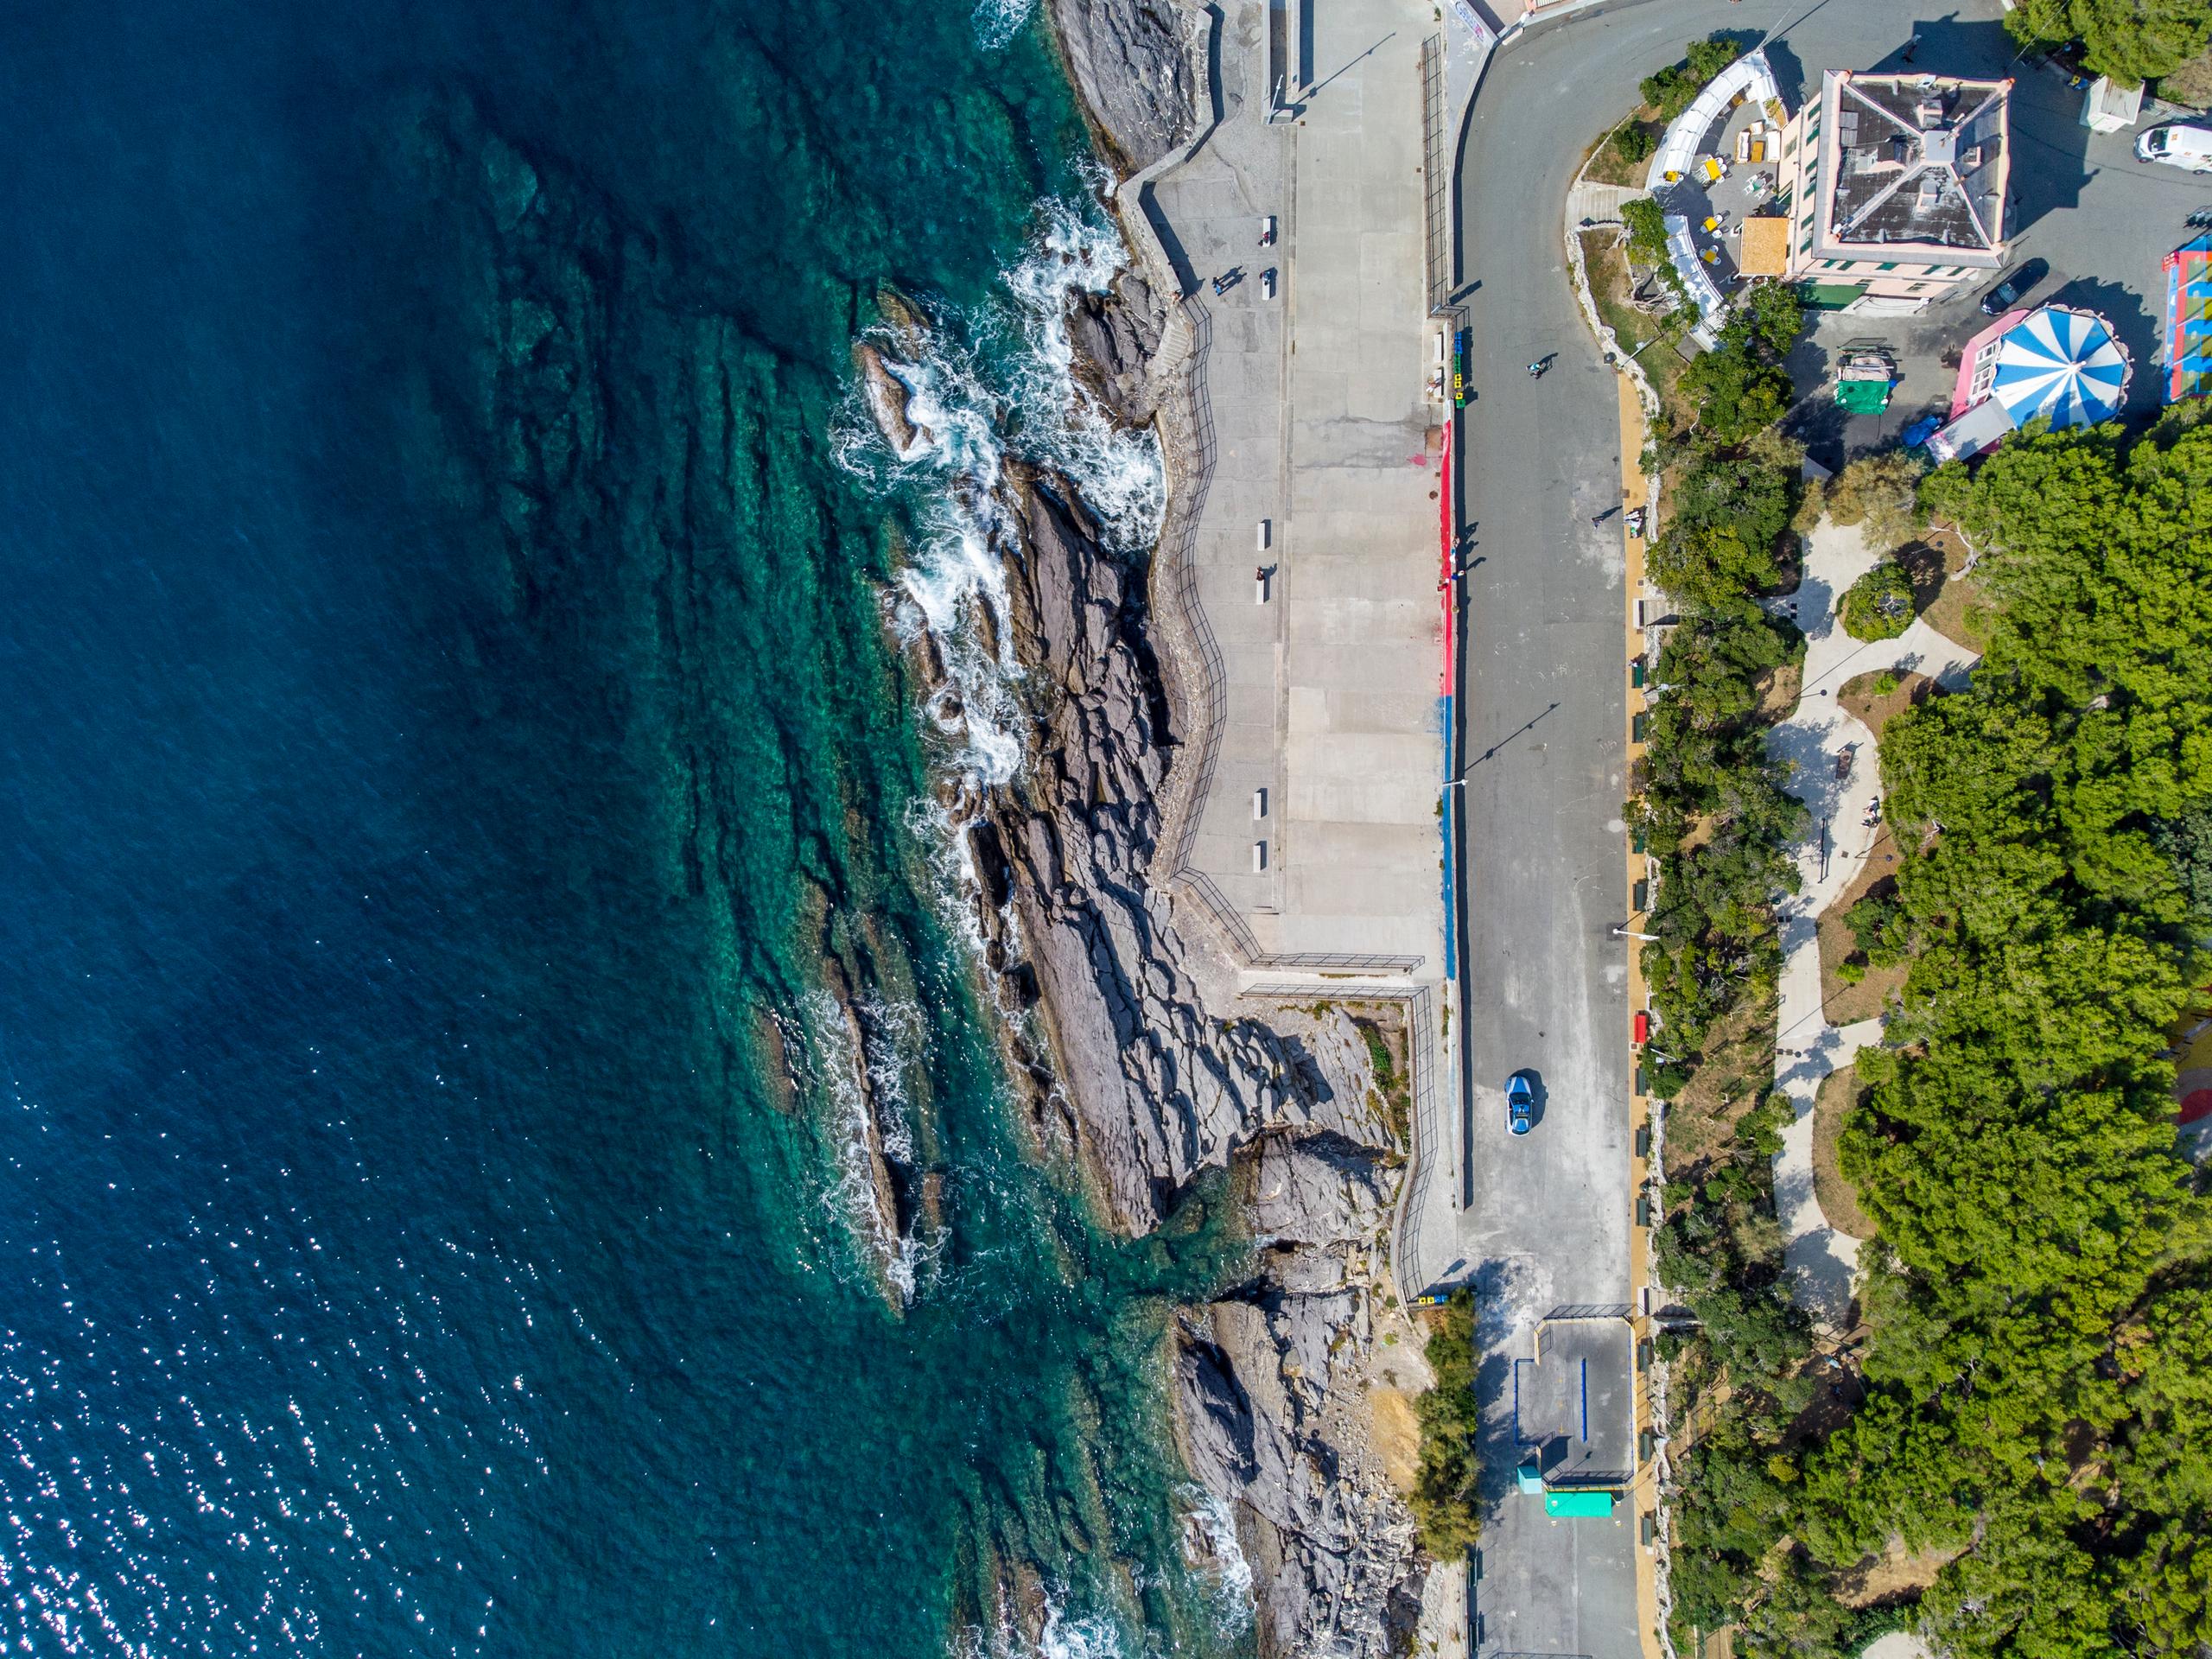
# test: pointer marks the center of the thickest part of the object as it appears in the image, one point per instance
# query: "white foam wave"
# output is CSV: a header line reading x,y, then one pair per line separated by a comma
x,y
997,22
987,385
859,1129
1118,471
1087,1636
891,1036
1222,1559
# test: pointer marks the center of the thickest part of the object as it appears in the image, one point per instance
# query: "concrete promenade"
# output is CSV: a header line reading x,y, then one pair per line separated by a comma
x,y
1314,847
1333,748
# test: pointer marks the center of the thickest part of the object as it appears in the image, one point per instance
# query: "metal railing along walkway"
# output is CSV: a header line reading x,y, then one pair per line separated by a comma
x,y
1436,173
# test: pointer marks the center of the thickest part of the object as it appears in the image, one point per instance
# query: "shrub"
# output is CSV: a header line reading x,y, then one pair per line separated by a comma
x,y
1671,89
1850,971
1647,241
1884,682
1879,604
1880,927
1444,1497
1635,143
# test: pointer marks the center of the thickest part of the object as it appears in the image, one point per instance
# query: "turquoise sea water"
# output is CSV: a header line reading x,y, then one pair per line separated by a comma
x,y
452,740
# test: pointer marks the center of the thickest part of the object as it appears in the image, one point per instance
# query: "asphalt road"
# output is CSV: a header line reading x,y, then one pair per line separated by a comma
x,y
1541,747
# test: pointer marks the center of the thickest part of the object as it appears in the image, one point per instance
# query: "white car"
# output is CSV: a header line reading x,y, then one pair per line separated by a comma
x,y
2188,147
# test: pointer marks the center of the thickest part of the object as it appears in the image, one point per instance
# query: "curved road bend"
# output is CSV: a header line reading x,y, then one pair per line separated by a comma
x,y
1541,682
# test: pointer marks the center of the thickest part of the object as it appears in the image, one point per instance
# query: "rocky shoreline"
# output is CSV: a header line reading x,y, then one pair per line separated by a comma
x,y
1152,1086
1279,1383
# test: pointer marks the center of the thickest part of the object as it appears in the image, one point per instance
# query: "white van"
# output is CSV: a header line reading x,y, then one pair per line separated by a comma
x,y
2188,147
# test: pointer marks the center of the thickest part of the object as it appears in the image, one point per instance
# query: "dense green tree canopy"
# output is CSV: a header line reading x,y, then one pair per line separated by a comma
x,y
1879,605
2036,1306
2044,1246
1710,801
2132,41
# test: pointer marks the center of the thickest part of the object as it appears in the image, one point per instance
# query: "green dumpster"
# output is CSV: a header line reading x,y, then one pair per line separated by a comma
x,y
1865,373
1862,397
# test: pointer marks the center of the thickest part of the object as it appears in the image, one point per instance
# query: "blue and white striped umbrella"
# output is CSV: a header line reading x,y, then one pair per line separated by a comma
x,y
2061,364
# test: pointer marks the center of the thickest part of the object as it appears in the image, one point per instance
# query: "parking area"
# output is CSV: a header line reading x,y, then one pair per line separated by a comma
x,y
1574,1401
2100,220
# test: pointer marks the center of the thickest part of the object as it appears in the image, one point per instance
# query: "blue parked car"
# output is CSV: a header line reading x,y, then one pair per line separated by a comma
x,y
1520,1104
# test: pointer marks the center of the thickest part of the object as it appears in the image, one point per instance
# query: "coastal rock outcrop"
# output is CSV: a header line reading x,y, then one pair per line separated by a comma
x,y
1146,1082
1115,336
1278,1382
1271,1394
1152,1087
1126,58
1160,1088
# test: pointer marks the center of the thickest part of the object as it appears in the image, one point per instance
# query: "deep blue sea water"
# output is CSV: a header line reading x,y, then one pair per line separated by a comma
x,y
451,740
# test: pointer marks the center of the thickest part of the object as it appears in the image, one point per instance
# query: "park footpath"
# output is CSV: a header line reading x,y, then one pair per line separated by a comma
x,y
1822,1260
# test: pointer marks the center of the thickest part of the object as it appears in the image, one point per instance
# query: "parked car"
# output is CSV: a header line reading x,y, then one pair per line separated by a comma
x,y
2011,286
1520,1104
2176,146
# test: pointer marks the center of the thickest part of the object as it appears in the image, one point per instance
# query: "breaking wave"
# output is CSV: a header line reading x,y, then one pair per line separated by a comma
x,y
1221,1559
1087,1636
997,22
863,1081
987,385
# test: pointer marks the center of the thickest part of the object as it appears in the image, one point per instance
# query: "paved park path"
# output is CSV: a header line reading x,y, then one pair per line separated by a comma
x,y
1806,1047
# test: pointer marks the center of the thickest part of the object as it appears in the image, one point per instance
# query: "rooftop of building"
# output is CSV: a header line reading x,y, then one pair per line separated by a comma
x,y
1765,249
1917,160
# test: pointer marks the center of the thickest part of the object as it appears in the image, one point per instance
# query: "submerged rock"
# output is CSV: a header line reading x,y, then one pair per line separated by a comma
x,y
888,400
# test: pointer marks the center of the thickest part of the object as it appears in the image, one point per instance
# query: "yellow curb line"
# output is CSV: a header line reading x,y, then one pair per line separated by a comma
x,y
1644,1495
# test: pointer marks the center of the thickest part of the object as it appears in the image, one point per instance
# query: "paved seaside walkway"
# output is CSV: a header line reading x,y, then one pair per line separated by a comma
x,y
1332,750
1807,1048
1310,838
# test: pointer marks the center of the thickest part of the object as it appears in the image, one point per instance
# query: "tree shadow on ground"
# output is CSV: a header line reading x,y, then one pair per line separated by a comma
x,y
1817,422
1923,568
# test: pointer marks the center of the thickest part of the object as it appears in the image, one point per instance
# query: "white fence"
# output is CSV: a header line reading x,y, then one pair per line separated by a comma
x,y
1750,75
1704,292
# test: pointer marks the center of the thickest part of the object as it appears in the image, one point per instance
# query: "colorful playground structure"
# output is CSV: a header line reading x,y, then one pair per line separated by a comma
x,y
2188,319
